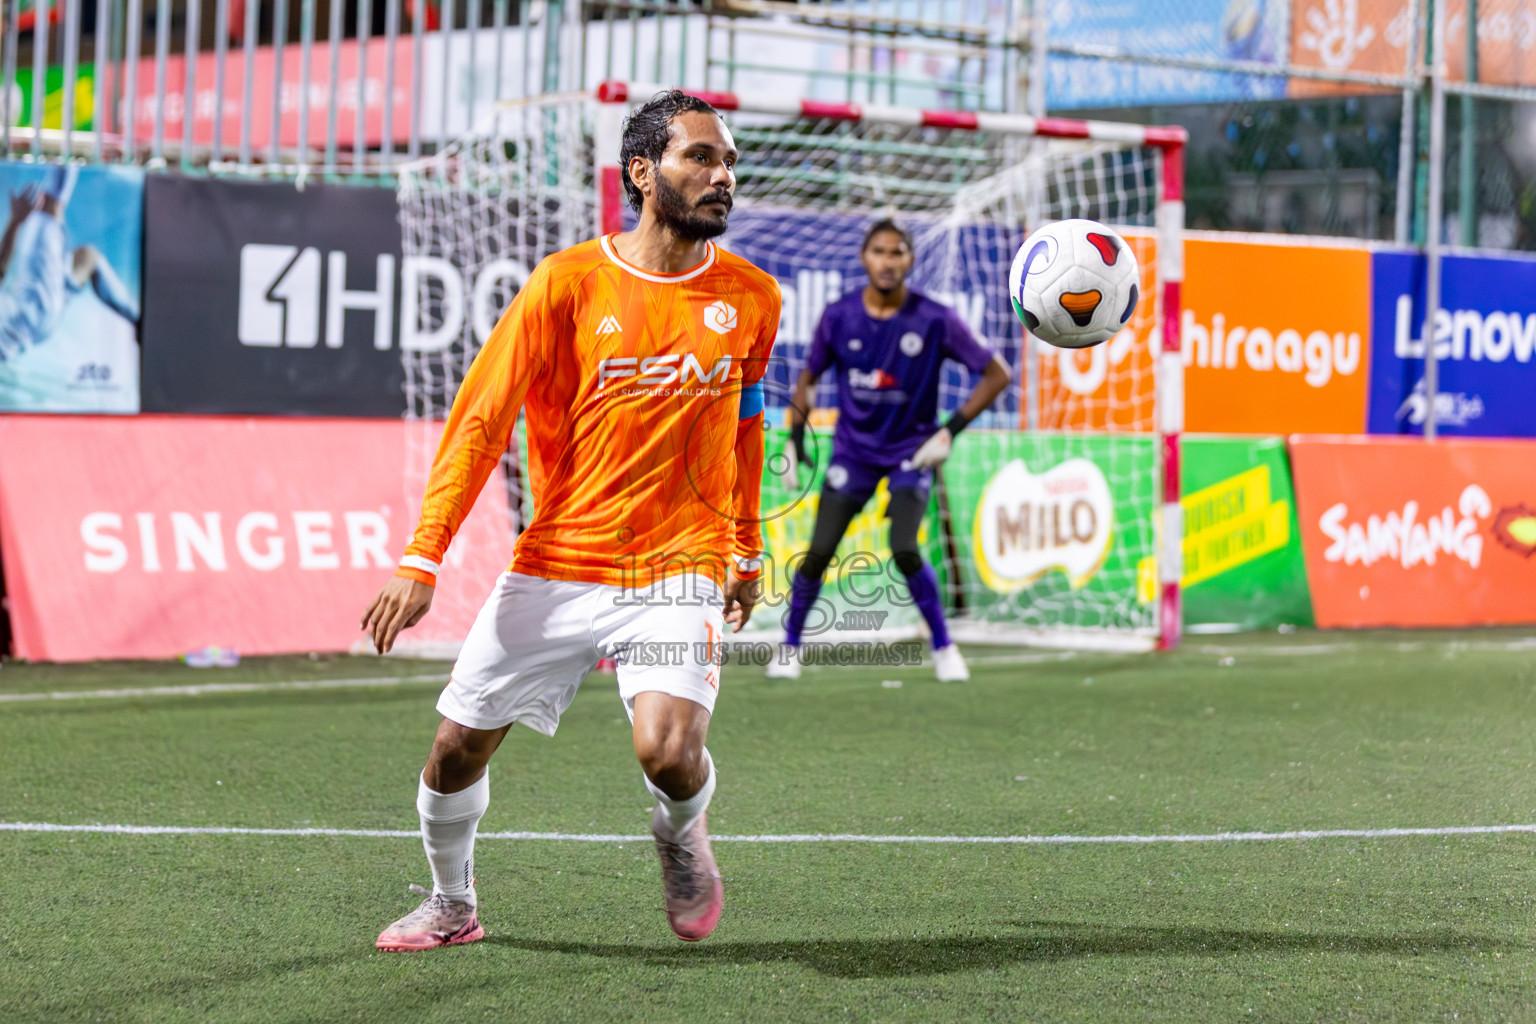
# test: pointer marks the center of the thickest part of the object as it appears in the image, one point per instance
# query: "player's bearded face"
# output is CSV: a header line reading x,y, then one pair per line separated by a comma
x,y
691,219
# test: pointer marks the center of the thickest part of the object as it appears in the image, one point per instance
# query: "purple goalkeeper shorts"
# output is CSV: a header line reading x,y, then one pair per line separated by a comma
x,y
857,479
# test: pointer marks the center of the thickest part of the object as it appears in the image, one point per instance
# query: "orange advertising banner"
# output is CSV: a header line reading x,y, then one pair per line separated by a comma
x,y
1276,338
152,536
1373,35
1400,532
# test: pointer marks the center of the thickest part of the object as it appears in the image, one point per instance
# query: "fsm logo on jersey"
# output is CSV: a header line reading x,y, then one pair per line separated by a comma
x,y
1484,336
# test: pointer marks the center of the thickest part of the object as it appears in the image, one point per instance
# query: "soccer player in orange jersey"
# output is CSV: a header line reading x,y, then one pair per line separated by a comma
x,y
637,359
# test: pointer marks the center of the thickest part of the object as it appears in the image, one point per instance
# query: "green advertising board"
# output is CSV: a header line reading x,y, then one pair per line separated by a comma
x,y
862,591
1058,531
1043,531
53,98
1243,566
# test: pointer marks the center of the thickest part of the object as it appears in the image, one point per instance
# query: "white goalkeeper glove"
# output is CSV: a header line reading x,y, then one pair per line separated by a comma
x,y
789,469
932,452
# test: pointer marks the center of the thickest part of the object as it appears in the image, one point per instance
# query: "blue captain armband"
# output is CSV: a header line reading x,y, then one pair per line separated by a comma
x,y
751,400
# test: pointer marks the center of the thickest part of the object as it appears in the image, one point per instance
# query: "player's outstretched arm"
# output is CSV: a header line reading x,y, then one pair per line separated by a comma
x,y
401,604
993,380
22,204
932,452
802,399
477,432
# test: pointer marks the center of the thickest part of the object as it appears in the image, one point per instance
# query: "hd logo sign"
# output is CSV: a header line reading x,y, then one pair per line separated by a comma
x,y
1026,525
284,298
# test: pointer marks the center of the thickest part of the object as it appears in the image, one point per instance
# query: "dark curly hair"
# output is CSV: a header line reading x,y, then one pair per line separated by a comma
x,y
880,227
648,130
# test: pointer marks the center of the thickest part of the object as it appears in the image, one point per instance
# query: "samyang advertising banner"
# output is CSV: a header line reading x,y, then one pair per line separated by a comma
x,y
151,536
1402,533
70,288
1485,346
261,298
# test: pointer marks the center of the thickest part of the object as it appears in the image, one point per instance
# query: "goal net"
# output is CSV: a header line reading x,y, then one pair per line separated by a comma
x,y
1046,523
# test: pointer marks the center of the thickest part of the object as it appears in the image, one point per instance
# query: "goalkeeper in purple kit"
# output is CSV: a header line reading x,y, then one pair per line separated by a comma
x,y
887,344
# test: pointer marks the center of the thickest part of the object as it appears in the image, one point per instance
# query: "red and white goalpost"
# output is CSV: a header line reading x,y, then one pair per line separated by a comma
x,y
545,174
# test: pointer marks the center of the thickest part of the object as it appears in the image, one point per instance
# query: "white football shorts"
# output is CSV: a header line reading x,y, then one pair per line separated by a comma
x,y
535,639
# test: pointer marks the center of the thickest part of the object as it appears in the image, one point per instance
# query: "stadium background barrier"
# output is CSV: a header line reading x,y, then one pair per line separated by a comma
x,y
1376,119
150,536
1310,115
153,535
1400,533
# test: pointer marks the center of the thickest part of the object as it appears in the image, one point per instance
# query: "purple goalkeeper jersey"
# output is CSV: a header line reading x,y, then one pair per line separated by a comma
x,y
888,372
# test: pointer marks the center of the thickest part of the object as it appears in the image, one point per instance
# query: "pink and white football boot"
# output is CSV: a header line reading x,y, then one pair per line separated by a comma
x,y
439,921
690,880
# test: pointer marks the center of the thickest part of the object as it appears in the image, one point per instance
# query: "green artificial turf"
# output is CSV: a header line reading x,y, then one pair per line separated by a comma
x,y
1269,733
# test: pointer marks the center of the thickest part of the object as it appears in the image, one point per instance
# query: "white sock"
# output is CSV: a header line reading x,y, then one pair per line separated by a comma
x,y
681,814
448,823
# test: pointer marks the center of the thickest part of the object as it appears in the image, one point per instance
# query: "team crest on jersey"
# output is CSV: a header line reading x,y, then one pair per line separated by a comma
x,y
855,344
720,317
610,325
911,343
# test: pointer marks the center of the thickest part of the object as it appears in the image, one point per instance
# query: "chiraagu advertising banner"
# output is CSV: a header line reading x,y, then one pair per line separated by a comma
x,y
1276,338
151,536
1398,532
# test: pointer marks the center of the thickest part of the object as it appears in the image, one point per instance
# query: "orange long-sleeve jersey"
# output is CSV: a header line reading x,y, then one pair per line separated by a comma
x,y
632,383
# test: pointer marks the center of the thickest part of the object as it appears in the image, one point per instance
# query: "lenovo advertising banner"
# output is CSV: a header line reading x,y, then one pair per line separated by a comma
x,y
152,536
260,298
1485,346
1402,533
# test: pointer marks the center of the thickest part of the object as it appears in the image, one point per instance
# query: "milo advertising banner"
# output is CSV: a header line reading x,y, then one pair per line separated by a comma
x,y
1049,529
1057,532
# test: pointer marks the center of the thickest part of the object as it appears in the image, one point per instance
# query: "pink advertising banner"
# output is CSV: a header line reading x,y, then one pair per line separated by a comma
x,y
207,105
153,536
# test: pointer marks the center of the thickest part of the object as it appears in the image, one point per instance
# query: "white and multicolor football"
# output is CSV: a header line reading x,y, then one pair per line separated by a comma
x,y
1074,283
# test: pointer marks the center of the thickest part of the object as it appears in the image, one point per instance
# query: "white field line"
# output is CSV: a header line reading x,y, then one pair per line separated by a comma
x,y
1025,657
198,689
804,837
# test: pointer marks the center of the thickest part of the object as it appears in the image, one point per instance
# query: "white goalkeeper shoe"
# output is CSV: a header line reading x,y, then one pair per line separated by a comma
x,y
785,663
949,665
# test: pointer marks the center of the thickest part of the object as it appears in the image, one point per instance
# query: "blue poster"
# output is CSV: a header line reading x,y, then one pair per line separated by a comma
x,y
815,258
1485,346
1226,30
70,278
